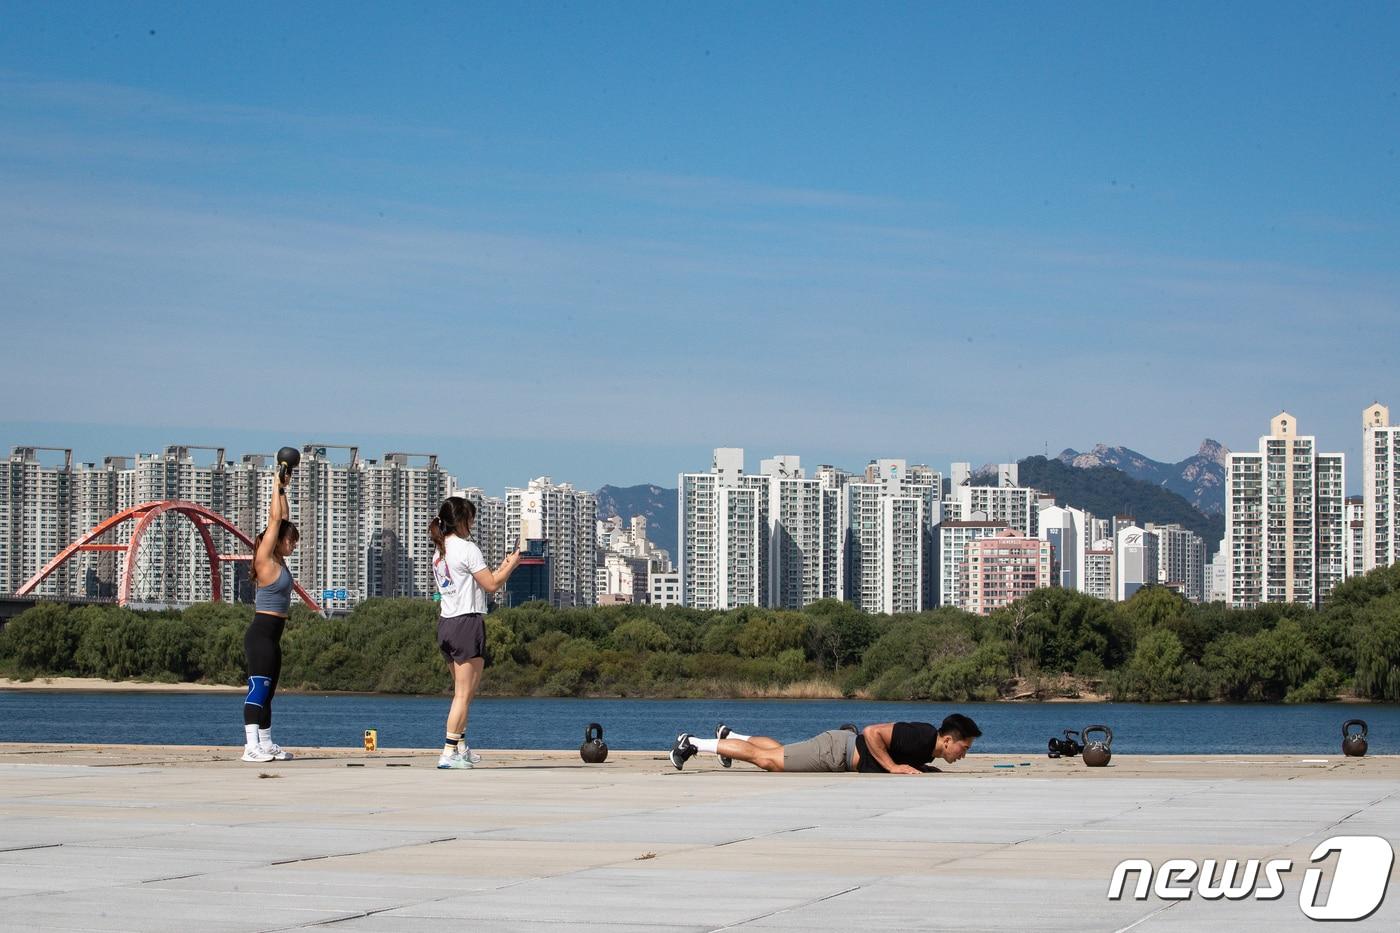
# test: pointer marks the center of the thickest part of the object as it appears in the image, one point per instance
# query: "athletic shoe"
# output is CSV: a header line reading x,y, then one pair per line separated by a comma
x,y
721,733
683,751
277,752
454,762
254,753
465,751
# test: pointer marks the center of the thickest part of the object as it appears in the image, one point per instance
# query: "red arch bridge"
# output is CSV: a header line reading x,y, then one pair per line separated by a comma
x,y
144,514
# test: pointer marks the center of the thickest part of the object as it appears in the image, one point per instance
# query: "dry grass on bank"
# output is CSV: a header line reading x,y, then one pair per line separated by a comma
x,y
817,688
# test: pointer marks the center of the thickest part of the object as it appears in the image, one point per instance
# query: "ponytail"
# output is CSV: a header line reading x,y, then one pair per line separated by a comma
x,y
455,516
285,529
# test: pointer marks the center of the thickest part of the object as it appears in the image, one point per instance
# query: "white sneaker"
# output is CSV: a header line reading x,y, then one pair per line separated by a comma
x,y
465,751
277,752
254,753
454,762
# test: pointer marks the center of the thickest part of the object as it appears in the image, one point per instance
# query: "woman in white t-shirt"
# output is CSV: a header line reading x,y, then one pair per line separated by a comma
x,y
463,581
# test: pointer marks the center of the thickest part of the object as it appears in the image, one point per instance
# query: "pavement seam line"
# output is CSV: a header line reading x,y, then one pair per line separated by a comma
x,y
41,845
328,855
783,910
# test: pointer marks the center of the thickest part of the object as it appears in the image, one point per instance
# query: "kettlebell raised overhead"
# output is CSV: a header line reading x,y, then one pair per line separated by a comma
x,y
594,750
1354,743
287,460
1097,752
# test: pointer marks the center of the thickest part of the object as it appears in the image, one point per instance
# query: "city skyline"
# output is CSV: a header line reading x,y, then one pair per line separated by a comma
x,y
830,230
543,453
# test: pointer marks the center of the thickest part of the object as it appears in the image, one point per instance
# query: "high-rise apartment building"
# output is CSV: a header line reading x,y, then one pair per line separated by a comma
x,y
1135,561
1284,513
794,533
1380,478
1017,507
1099,570
889,520
721,535
1218,576
1066,529
1003,568
832,485
1181,560
362,524
954,537
36,518
1354,558
567,520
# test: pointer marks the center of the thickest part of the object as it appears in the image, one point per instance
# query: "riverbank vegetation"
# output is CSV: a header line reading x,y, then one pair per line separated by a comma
x,y
1055,643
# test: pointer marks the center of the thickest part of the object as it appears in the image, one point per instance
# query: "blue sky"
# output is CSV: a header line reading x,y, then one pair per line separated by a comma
x,y
596,240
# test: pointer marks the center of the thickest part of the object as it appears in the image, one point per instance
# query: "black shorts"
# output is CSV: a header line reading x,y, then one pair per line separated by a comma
x,y
462,638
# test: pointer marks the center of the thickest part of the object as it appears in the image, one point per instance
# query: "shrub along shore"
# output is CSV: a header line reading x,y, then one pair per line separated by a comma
x,y
1054,643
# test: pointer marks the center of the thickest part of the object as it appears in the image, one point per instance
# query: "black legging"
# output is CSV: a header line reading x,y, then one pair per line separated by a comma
x,y
263,646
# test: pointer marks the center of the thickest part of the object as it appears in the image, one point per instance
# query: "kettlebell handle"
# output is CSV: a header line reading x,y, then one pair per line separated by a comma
x,y
1107,741
594,733
1346,728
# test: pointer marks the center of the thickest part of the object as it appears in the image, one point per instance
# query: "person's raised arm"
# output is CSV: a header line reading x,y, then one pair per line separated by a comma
x,y
877,743
493,580
276,513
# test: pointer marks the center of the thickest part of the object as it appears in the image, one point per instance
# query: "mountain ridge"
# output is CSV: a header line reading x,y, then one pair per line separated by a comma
x,y
1199,478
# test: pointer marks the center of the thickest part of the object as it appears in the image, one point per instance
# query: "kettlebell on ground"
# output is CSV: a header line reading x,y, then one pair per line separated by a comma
x,y
1354,743
594,750
1097,752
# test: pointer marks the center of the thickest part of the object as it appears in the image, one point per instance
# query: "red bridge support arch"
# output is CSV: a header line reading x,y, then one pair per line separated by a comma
x,y
144,514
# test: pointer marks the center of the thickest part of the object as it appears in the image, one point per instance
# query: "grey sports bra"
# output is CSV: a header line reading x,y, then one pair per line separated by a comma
x,y
275,598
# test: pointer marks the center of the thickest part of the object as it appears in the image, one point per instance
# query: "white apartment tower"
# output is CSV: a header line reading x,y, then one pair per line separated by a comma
x,y
1380,478
489,532
1181,560
888,521
1135,561
794,533
1012,505
568,518
1355,524
1066,529
1098,570
35,518
832,484
719,536
954,538
1285,517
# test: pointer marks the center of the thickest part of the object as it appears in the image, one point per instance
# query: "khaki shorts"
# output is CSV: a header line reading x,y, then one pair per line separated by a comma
x,y
830,751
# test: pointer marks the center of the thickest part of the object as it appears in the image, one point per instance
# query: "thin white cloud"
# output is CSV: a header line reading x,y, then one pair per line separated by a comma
x,y
705,192
143,104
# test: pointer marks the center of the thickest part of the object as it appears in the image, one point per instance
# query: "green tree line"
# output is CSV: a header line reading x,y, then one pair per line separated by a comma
x,y
1154,647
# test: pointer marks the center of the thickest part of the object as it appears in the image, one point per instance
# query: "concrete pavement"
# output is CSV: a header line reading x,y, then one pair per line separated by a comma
x,y
160,838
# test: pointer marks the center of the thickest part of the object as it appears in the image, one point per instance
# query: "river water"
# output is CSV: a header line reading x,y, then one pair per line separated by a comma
x,y
340,720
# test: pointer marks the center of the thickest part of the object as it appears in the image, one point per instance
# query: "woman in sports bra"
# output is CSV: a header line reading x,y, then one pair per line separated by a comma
x,y
263,641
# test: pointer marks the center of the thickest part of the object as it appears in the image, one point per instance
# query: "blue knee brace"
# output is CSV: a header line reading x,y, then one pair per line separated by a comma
x,y
259,688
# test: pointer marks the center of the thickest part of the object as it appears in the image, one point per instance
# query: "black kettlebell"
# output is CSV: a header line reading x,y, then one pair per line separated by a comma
x,y
1354,743
594,750
1068,747
287,460
1097,752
